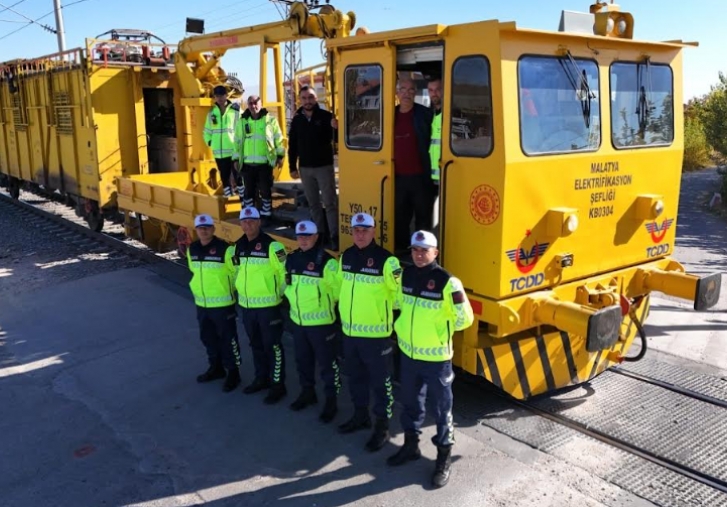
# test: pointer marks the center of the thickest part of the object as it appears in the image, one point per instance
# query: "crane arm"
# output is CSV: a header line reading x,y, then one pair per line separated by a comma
x,y
193,65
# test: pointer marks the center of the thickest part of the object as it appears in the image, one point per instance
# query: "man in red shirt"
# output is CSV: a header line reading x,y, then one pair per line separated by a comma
x,y
412,166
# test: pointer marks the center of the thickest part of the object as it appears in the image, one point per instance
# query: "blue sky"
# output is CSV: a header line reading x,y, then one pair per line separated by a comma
x,y
654,19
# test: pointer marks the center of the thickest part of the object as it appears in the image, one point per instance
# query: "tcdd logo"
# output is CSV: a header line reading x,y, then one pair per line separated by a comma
x,y
658,232
527,282
525,260
655,251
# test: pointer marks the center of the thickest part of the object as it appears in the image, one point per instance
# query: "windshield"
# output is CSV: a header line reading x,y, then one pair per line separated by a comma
x,y
559,106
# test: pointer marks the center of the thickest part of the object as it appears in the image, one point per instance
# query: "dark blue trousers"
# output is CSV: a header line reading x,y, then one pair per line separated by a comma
x,y
317,344
368,366
419,378
264,328
218,332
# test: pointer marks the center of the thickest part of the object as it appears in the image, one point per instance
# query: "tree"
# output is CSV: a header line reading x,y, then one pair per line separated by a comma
x,y
713,113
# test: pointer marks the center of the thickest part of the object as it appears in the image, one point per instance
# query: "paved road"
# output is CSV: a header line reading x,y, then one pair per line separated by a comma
x,y
701,246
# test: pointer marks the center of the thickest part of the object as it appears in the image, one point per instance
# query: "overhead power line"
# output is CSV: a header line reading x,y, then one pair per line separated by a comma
x,y
36,21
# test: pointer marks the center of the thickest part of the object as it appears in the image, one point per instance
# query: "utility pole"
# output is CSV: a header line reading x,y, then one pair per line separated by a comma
x,y
60,32
292,60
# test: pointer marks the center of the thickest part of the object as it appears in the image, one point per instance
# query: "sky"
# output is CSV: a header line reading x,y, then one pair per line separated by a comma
x,y
654,19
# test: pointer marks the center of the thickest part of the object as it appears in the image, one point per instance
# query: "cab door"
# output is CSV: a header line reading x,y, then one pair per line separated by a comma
x,y
366,85
471,177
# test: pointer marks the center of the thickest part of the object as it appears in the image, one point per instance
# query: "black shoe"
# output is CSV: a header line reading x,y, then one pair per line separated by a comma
x,y
360,420
330,409
276,393
257,386
408,452
440,477
232,380
379,437
307,397
212,373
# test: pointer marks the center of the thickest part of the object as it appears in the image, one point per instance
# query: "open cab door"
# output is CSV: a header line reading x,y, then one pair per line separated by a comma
x,y
472,175
366,80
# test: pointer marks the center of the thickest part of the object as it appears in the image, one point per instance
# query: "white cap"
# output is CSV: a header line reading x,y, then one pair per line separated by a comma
x,y
423,239
203,220
249,213
306,228
362,220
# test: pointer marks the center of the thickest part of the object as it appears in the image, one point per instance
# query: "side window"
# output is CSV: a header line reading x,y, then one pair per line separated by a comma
x,y
642,105
471,115
363,107
559,106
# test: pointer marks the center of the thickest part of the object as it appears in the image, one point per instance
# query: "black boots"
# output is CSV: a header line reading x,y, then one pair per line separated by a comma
x,y
256,386
329,410
408,452
307,397
380,435
440,477
360,420
276,393
232,380
214,372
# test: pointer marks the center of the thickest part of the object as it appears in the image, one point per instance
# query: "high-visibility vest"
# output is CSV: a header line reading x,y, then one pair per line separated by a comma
x,y
435,147
212,282
433,306
258,141
369,280
312,287
219,129
259,266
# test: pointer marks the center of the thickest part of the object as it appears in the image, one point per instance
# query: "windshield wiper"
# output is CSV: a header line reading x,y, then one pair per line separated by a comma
x,y
579,81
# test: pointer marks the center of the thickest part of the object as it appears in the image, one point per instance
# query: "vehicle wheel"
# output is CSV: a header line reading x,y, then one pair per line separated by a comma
x,y
14,188
95,221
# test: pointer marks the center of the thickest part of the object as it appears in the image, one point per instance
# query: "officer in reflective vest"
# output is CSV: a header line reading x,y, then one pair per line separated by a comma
x,y
212,285
433,306
219,134
312,290
258,148
434,87
369,276
259,266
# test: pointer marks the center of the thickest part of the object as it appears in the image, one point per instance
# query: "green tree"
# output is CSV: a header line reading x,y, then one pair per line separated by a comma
x,y
696,148
712,110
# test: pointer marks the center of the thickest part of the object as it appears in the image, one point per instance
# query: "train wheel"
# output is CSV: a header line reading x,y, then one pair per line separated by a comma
x,y
14,188
93,216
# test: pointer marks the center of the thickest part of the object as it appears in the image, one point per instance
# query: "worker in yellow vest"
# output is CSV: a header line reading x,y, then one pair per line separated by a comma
x,y
259,267
219,135
434,87
258,149
433,306
214,296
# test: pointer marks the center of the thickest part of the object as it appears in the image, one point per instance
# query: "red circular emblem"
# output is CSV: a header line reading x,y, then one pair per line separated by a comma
x,y
248,212
258,246
430,285
420,236
370,262
311,266
213,251
359,218
485,204
202,219
301,227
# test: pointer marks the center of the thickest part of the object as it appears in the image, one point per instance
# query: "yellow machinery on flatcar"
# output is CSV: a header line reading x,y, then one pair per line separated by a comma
x,y
557,209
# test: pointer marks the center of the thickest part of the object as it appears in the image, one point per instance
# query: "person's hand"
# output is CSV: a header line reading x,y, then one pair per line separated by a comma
x,y
334,123
294,174
279,163
236,165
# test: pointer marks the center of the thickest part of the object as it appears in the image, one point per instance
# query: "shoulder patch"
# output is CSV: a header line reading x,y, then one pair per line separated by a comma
x,y
280,253
458,295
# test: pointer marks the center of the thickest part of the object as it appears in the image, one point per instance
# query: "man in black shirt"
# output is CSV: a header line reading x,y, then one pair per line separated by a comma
x,y
310,156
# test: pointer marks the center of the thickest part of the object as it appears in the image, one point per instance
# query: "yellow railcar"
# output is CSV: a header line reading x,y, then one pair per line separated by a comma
x,y
561,165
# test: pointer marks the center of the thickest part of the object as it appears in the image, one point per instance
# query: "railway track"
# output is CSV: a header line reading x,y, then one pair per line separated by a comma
x,y
65,221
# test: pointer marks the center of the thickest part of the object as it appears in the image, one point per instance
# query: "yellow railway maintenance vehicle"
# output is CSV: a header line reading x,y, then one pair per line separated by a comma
x,y
561,166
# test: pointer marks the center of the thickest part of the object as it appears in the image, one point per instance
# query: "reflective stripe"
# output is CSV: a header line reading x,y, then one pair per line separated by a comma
x,y
256,137
264,300
349,277
423,303
207,265
461,315
255,159
204,301
436,142
361,328
406,347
